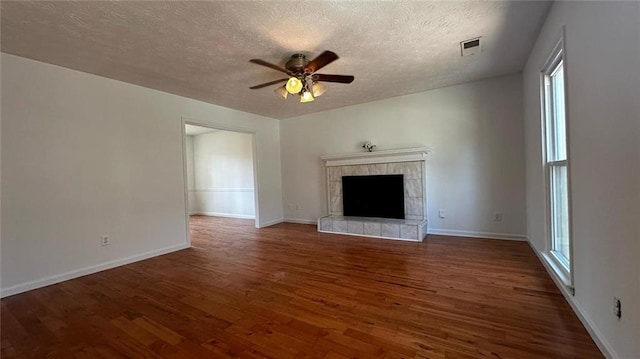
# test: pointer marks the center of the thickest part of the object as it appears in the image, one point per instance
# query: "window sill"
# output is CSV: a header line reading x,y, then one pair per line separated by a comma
x,y
559,271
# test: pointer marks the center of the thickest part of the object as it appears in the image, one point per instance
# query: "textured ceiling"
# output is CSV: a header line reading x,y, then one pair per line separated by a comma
x,y
201,49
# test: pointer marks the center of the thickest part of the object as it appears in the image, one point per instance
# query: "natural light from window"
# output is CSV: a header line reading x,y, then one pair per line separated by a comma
x,y
556,159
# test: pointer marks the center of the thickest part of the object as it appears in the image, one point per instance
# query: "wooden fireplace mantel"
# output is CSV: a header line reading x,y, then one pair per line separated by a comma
x,y
384,156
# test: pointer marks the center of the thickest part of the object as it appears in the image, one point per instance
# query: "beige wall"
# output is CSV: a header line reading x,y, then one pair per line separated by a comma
x,y
84,156
603,74
222,175
476,166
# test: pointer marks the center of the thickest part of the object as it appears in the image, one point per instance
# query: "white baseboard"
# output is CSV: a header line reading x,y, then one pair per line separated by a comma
x,y
598,338
271,223
226,215
491,235
24,287
300,221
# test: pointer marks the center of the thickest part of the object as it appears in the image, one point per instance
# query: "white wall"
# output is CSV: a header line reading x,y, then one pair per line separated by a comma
x,y
603,69
0,171
191,176
476,166
223,174
84,156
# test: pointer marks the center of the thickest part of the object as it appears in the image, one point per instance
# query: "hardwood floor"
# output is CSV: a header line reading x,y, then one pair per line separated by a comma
x,y
289,292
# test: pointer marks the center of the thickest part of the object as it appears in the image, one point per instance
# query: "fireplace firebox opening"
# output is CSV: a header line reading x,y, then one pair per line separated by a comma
x,y
379,196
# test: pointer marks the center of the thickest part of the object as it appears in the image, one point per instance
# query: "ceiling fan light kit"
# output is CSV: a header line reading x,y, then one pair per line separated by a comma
x,y
294,85
303,79
318,89
306,96
282,92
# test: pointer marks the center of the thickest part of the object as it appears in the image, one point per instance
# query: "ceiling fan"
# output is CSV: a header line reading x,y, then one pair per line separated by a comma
x,y
303,79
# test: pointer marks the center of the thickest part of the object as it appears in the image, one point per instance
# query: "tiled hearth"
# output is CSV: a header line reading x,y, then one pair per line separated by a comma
x,y
408,162
404,229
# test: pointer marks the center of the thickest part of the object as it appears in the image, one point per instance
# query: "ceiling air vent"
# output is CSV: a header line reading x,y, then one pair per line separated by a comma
x,y
470,47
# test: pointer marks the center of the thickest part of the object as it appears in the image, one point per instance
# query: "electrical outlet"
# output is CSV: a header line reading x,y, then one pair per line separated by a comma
x,y
105,240
441,214
497,217
617,308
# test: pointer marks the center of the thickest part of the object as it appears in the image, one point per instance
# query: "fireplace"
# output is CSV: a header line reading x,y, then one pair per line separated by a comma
x,y
378,196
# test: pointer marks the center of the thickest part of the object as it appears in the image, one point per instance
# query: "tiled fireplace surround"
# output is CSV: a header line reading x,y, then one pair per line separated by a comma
x,y
408,162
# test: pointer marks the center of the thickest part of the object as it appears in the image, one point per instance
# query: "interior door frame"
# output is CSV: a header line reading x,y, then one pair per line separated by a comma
x,y
223,127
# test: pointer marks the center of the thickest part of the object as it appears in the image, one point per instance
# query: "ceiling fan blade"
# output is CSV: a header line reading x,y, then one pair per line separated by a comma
x,y
321,61
269,65
267,84
343,79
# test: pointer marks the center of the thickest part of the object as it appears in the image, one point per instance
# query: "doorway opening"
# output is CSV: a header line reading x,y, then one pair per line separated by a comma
x,y
220,177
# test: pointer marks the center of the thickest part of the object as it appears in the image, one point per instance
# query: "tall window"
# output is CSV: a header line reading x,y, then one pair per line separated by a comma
x,y
556,161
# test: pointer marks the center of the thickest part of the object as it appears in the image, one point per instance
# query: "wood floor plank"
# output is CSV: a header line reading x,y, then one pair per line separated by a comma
x,y
288,291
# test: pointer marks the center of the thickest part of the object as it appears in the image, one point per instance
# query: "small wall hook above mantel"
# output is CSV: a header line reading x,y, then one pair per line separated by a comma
x,y
369,146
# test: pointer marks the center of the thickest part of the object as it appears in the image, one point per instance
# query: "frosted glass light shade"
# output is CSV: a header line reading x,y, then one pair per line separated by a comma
x,y
318,89
306,97
282,92
294,85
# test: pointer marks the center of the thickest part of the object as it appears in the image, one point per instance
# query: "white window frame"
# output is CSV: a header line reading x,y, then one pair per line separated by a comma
x,y
563,269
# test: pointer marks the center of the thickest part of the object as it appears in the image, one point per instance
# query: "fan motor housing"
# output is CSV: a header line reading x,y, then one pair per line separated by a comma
x,y
297,63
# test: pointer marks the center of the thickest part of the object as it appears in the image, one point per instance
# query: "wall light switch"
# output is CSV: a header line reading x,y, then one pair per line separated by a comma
x,y
441,213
